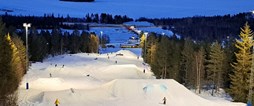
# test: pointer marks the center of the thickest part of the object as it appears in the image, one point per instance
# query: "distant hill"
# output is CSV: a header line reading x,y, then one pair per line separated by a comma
x,y
78,0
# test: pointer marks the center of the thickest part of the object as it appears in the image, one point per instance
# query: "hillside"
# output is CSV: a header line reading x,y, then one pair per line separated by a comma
x,y
84,80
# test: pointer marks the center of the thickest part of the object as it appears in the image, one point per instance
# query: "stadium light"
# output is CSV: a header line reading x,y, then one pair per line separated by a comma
x,y
27,25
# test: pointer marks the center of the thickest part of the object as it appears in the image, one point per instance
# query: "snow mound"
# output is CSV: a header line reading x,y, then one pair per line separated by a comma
x,y
127,53
47,83
126,71
130,92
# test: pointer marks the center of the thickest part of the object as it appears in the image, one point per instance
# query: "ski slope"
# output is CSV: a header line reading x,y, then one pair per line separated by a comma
x,y
131,8
96,80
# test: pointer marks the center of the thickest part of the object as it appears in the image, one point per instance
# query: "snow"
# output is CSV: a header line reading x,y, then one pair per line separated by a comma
x,y
84,81
139,24
117,34
131,8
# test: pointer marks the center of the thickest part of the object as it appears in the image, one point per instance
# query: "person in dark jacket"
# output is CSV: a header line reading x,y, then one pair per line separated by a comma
x,y
164,100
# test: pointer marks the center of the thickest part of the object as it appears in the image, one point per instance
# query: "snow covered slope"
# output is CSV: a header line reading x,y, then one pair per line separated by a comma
x,y
96,80
132,8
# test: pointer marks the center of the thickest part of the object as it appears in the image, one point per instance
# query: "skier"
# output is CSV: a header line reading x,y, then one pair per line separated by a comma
x,y
55,65
63,66
57,102
164,100
116,62
144,71
50,75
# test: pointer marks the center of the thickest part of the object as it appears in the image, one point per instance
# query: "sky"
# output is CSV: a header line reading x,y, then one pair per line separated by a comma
x,y
132,8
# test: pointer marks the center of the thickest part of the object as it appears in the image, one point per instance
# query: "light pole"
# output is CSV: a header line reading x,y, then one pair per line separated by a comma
x,y
27,25
146,34
101,40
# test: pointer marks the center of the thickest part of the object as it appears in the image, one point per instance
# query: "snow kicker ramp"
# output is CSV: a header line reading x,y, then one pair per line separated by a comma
x,y
129,92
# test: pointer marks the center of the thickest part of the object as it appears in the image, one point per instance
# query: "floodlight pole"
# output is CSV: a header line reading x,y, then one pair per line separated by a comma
x,y
27,25
101,40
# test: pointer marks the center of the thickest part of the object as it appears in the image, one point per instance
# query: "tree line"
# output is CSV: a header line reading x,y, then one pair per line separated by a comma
x,y
205,28
49,21
203,65
45,43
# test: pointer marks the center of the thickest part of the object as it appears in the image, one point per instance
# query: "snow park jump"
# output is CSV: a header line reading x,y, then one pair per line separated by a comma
x,y
108,84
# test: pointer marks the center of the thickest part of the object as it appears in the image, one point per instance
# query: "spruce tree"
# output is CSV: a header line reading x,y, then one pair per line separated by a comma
x,y
22,51
215,62
38,47
84,47
241,73
143,46
161,66
11,71
74,44
151,48
187,63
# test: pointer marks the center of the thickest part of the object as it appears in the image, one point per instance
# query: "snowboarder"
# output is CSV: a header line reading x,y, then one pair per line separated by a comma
x,y
57,102
164,100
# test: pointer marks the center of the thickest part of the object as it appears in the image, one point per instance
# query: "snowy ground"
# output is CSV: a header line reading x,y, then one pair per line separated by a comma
x,y
131,8
84,81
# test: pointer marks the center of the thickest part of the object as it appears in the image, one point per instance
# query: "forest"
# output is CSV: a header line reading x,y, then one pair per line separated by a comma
x,y
205,28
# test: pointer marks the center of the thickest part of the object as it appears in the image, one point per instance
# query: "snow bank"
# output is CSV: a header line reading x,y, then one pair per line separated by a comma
x,y
129,92
84,81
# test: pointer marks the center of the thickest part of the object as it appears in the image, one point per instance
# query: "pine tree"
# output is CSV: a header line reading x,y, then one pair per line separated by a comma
x,y
2,27
162,57
215,65
151,48
241,74
74,41
38,47
187,63
56,41
22,51
229,50
11,71
94,43
84,47
199,58
143,46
